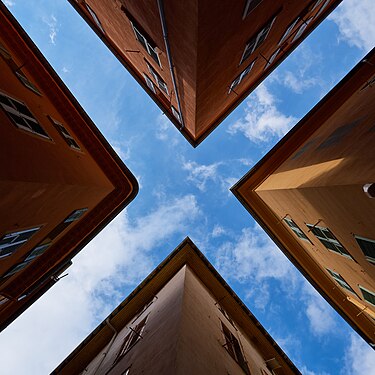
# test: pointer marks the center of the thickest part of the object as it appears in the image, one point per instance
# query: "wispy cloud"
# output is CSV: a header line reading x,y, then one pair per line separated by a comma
x,y
116,259
51,22
262,121
356,23
200,174
359,358
166,131
9,3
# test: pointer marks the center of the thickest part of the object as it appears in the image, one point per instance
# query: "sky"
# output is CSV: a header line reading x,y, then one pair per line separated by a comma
x,y
185,192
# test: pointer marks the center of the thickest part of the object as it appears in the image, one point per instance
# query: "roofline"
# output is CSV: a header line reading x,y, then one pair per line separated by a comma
x,y
184,131
184,249
278,148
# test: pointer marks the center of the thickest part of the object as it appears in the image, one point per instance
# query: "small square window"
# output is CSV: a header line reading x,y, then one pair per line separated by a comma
x,y
295,228
176,114
162,85
288,31
75,215
10,242
27,83
257,40
367,295
368,247
326,237
149,83
340,280
65,134
132,338
241,77
21,115
95,18
37,251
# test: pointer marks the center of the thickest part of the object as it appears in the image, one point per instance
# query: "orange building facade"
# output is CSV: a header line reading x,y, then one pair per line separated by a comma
x,y
182,319
314,195
60,183
198,60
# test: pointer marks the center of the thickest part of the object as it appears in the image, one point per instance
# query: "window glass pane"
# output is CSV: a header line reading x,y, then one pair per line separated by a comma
x,y
75,215
367,246
368,296
40,249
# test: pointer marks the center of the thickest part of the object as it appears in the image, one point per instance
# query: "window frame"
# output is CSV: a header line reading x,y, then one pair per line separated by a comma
x,y
176,114
256,40
361,288
76,215
63,131
144,41
26,82
159,81
95,18
248,8
12,110
333,241
296,229
241,76
21,242
233,348
368,257
149,83
341,281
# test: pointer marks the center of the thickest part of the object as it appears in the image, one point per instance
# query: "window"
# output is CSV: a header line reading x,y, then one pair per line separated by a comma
x,y
20,115
257,40
3,299
132,337
302,29
75,215
10,242
339,279
150,49
367,295
368,247
233,348
295,228
126,372
37,251
95,18
272,58
176,114
65,134
162,85
240,78
27,83
326,237
289,31
226,315
250,6
321,8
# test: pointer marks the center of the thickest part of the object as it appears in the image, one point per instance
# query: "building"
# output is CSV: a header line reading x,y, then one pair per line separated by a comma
x,y
198,60
313,194
182,319
60,181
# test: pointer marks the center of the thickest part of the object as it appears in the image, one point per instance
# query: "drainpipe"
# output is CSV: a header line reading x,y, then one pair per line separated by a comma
x,y
169,57
115,333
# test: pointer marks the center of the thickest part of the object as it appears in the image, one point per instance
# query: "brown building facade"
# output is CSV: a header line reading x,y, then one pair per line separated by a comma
x,y
198,60
60,181
314,195
182,319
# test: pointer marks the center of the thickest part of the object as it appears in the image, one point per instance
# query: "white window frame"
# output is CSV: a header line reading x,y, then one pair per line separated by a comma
x,y
296,229
289,30
369,258
302,29
75,215
13,110
176,114
95,18
321,8
361,288
149,49
272,59
149,83
13,236
341,281
241,76
27,83
248,9
258,40
334,241
65,134
160,82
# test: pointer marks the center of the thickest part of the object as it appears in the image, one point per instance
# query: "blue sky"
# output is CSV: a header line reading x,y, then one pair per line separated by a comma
x,y
185,191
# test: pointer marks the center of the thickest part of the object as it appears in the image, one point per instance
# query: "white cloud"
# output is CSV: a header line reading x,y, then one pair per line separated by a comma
x,y
9,3
356,22
262,120
166,131
218,231
359,358
318,311
51,22
117,258
200,174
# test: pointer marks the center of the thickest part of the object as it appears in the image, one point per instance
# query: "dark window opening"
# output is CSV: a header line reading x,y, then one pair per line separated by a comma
x,y
296,229
10,242
340,280
367,295
368,248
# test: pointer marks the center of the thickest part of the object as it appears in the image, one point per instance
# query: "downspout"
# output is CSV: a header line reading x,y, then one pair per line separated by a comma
x,y
169,57
115,333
